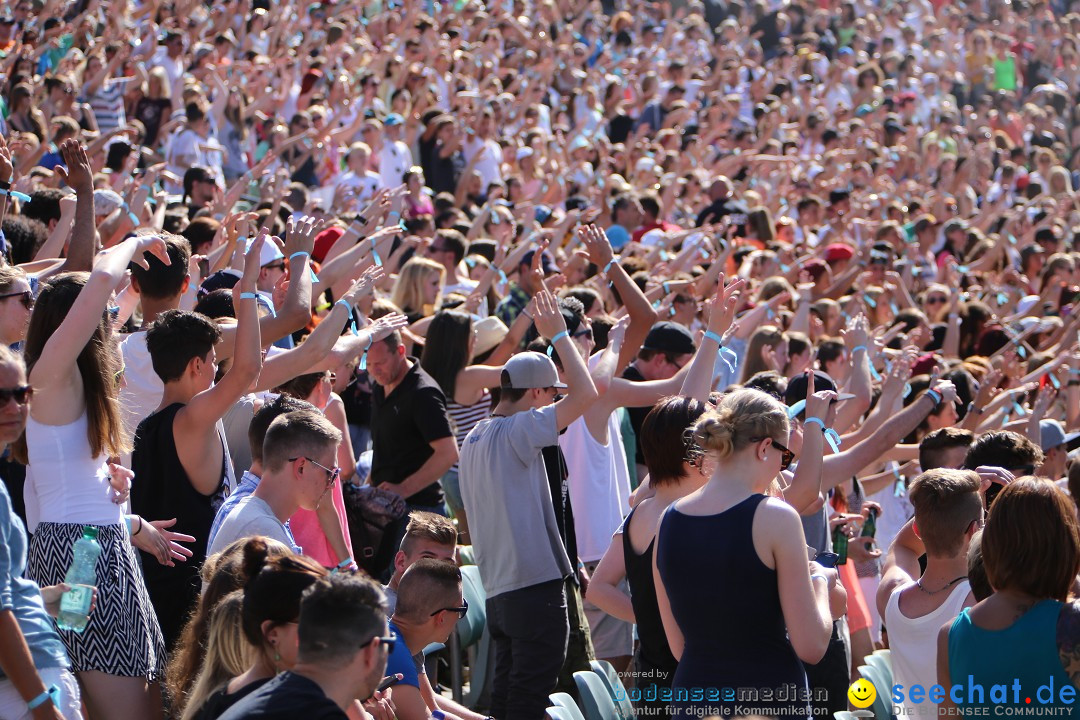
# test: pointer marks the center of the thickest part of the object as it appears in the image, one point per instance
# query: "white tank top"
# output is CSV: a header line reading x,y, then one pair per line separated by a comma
x,y
63,483
914,642
599,485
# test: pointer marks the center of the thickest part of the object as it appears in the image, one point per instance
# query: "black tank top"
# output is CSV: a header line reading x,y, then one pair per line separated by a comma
x,y
653,650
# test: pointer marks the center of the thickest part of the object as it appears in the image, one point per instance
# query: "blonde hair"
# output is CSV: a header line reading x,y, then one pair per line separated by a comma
x,y
742,418
753,364
158,74
228,653
408,291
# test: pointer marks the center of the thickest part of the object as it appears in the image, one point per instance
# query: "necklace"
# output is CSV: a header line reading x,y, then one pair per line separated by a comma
x,y
947,586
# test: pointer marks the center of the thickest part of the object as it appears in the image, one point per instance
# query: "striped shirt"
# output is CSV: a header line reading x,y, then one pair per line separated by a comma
x,y
107,104
463,418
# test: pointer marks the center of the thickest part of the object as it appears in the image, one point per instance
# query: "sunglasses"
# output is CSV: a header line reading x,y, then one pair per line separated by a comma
x,y
388,640
275,266
26,297
786,456
586,333
332,474
936,300
20,394
461,611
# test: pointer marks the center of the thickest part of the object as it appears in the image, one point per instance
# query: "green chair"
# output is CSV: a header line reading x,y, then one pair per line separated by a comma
x,y
559,713
595,699
471,632
884,666
610,677
565,701
883,702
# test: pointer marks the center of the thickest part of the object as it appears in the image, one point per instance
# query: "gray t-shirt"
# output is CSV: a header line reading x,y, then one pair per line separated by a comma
x,y
251,517
505,489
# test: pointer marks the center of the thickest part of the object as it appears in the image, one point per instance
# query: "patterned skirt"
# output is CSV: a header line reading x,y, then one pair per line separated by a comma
x,y
122,636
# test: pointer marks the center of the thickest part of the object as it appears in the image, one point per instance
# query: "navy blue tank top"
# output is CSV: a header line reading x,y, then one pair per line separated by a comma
x,y
736,655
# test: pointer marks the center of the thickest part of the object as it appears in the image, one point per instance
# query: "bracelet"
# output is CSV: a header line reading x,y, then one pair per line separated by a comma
x,y
978,410
248,296
363,358
5,184
710,335
140,526
52,694
831,436
17,195
348,305
558,336
375,254
820,577
131,216
345,563
664,285
857,348
300,254
935,396
361,219
525,312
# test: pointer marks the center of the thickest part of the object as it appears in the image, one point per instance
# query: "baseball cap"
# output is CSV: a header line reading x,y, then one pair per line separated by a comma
x,y
796,389
393,119
846,51
838,251
1052,435
954,225
268,253
529,370
222,279
670,337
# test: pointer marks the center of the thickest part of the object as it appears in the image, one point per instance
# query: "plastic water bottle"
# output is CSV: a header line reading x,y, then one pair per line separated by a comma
x,y
82,577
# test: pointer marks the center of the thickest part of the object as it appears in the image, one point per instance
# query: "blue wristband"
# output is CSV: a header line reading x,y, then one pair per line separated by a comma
x,y
558,336
831,436
713,336
363,358
375,255
15,194
52,694
857,348
248,296
935,396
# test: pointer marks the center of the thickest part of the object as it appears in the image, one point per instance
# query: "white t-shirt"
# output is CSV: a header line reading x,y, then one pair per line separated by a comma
x,y
395,159
365,185
490,158
251,517
142,389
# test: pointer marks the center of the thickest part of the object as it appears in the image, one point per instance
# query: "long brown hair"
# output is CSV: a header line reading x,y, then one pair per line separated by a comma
x,y
99,365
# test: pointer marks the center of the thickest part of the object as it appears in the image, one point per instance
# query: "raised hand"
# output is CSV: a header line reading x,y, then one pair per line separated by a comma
x,y
364,285
300,235
152,244
597,245
381,328
546,315
7,168
76,170
252,266
817,403
722,311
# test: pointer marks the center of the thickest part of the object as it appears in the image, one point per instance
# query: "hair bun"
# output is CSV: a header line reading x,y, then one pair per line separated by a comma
x,y
256,553
715,432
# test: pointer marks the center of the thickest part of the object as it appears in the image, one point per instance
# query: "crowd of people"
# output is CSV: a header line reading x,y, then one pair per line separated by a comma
x,y
731,340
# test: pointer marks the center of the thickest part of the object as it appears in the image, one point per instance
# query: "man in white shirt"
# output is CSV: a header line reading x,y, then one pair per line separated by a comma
x,y
298,470
948,512
480,144
395,158
195,145
170,58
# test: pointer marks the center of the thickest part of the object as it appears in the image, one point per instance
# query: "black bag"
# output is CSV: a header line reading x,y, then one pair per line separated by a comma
x,y
372,514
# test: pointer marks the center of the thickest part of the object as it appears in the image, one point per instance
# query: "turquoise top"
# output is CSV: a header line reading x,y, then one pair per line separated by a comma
x,y
1025,651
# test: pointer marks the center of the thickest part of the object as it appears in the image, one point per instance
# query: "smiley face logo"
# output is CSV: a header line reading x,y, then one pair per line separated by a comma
x,y
862,693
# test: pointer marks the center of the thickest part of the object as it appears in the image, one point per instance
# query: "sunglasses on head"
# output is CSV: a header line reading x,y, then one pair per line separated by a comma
x,y
459,610
21,394
26,297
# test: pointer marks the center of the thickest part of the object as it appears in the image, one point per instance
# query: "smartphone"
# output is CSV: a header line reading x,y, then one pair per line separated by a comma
x,y
388,681
827,559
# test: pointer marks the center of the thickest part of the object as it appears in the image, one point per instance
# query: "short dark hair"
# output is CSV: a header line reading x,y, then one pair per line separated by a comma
x,y
454,241
339,615
296,434
428,586
1004,449
175,338
934,444
267,414
217,304
666,440
44,205
161,281
946,503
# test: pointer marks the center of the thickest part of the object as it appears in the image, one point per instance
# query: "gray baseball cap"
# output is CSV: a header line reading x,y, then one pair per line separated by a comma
x,y
530,370
1052,435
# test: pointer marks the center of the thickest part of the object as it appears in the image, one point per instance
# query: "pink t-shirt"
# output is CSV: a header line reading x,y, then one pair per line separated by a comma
x,y
309,534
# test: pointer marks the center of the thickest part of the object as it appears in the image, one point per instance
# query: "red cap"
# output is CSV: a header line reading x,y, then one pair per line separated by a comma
x,y
838,251
924,364
324,241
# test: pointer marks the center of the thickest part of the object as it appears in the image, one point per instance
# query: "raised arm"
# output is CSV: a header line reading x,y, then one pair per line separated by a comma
x,y
209,406
699,379
80,253
580,392
58,357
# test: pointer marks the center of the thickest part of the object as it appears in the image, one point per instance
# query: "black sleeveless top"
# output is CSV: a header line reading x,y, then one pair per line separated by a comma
x,y
653,650
162,490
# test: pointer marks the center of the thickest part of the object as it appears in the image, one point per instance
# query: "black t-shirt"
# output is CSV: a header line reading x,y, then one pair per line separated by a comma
x,y
619,128
403,426
445,171
286,697
720,209
555,466
220,702
637,414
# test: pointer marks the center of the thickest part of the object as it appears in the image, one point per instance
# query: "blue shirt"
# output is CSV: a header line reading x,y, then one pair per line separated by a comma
x,y
245,487
23,596
400,661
